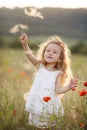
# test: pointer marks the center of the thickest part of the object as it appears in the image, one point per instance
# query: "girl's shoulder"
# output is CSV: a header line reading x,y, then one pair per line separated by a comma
x,y
39,64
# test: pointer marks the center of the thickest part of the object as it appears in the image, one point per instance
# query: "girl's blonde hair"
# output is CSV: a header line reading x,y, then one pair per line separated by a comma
x,y
64,62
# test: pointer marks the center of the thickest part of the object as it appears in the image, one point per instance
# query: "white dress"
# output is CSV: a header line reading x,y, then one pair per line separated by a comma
x,y
44,86
40,111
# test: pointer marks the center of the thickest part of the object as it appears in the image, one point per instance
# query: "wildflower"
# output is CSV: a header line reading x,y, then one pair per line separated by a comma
x,y
82,124
83,92
10,70
14,112
46,99
85,84
18,27
33,12
22,73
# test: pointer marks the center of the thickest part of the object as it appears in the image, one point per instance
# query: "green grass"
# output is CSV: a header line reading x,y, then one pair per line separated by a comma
x,y
16,77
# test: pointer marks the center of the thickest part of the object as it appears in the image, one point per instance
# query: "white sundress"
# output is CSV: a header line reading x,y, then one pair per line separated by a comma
x,y
44,86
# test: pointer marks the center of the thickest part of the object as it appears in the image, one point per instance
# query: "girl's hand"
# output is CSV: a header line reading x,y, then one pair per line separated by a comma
x,y
24,39
73,83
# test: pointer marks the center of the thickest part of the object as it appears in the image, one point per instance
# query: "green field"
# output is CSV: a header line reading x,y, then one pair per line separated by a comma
x,y
16,77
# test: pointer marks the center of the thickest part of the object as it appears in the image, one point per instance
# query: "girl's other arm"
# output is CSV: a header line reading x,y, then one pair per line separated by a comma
x,y
60,90
27,50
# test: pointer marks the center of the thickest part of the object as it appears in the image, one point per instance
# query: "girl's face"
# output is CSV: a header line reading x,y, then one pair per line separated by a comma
x,y
52,53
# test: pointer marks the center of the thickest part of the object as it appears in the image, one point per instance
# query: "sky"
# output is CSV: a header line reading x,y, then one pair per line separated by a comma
x,y
44,3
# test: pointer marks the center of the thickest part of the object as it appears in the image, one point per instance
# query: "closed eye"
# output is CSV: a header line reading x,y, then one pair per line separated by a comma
x,y
47,50
54,52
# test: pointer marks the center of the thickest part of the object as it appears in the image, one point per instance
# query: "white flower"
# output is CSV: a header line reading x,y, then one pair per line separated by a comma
x,y
33,12
18,27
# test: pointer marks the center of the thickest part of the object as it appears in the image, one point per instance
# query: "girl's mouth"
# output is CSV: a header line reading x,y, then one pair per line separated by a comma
x,y
50,57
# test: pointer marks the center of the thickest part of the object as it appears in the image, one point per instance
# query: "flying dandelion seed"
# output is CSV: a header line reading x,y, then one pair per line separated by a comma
x,y
14,29
22,26
18,27
33,12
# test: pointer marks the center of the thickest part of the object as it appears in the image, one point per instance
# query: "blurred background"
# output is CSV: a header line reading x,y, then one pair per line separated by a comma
x,y
68,19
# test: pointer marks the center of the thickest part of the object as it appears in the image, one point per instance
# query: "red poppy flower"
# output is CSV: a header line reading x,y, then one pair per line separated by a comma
x,y
85,84
10,70
83,93
46,99
22,73
82,124
14,112
73,89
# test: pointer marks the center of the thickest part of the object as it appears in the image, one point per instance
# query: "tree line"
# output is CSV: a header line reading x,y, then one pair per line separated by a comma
x,y
71,23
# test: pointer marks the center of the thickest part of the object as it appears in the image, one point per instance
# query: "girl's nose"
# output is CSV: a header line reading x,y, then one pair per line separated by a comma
x,y
50,54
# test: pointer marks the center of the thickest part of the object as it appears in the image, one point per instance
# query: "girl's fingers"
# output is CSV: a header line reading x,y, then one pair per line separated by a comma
x,y
23,37
74,82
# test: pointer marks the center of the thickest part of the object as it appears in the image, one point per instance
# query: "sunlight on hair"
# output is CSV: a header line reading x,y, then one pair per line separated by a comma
x,y
65,64
33,12
18,28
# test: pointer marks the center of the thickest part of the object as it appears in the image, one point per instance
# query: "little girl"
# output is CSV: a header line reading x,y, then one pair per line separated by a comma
x,y
53,78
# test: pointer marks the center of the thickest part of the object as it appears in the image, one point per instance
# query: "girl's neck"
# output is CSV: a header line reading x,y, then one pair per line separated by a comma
x,y
50,67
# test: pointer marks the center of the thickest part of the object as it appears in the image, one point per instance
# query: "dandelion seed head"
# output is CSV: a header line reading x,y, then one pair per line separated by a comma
x,y
18,27
33,12
14,29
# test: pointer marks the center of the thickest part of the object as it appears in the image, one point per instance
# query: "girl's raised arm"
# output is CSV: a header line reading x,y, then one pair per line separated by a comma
x,y
28,52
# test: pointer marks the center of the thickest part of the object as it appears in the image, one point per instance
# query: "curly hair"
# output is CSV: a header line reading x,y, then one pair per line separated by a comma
x,y
64,63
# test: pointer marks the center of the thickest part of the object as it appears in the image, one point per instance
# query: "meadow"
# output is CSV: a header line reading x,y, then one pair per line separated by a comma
x,y
16,77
